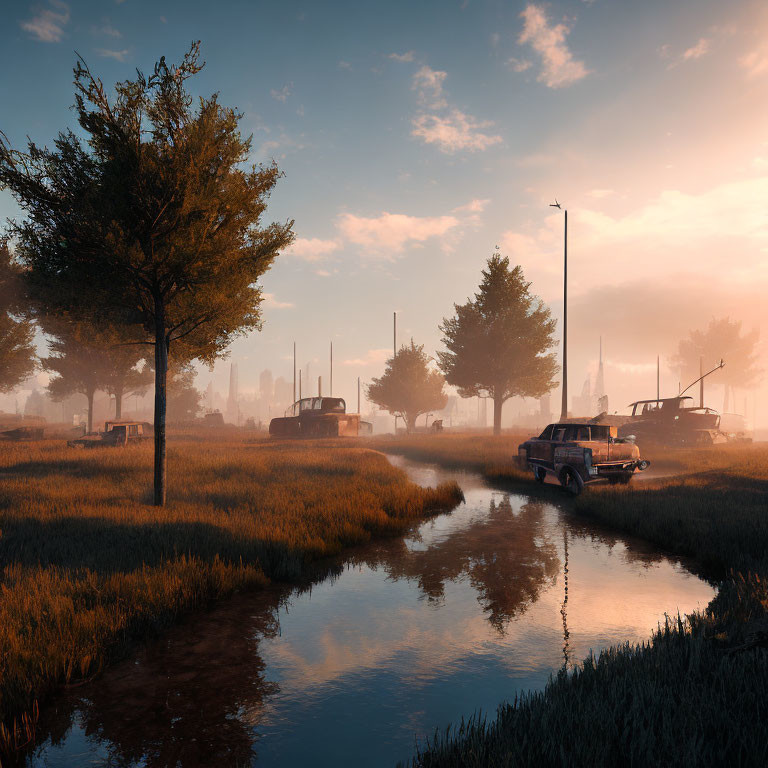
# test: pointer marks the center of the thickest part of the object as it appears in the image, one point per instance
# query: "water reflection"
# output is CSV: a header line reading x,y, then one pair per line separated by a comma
x,y
401,637
506,556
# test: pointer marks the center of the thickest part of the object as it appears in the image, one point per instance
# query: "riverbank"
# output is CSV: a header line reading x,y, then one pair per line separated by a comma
x,y
693,694
90,567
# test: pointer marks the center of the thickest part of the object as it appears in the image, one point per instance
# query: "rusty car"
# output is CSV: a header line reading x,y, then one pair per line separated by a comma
x,y
317,417
673,421
576,454
116,433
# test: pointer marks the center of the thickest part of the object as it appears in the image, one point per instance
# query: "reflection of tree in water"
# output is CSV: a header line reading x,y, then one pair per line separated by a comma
x,y
504,555
190,700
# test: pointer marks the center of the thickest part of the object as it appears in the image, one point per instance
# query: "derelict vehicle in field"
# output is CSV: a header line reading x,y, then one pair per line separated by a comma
x,y
577,454
318,417
115,434
675,420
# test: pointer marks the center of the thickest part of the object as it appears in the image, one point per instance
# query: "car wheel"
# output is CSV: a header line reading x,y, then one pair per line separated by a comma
x,y
570,482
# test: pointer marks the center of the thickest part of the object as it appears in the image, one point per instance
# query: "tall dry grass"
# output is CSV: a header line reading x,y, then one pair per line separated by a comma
x,y
89,566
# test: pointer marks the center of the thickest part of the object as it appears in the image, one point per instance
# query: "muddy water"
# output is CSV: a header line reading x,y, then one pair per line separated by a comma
x,y
399,638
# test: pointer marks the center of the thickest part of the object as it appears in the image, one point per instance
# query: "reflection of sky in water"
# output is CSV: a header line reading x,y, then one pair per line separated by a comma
x,y
412,635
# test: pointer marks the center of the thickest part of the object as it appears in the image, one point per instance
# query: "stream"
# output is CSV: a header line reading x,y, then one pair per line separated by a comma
x,y
394,640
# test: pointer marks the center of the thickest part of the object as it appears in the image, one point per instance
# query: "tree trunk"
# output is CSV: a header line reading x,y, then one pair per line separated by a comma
x,y
498,402
118,403
161,374
90,395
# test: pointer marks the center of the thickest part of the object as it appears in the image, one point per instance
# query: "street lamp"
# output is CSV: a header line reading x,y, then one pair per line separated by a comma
x,y
564,407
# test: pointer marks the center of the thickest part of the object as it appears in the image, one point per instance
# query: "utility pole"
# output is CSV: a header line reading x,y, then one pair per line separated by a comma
x,y
294,371
394,349
701,382
394,334
331,391
358,395
657,378
319,386
299,383
564,408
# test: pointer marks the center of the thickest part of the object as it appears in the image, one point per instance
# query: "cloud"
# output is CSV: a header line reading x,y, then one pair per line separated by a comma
x,y
697,51
48,25
473,206
559,68
702,48
271,302
372,357
446,127
393,231
283,94
344,65
454,131
312,248
519,65
408,56
428,83
756,62
109,54
599,194
722,227
105,29
280,146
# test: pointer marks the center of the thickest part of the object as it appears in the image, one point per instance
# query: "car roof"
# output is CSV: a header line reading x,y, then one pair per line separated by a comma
x,y
662,400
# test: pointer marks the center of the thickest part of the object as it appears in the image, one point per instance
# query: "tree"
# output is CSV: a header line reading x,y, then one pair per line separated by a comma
x,y
497,343
721,340
123,374
183,397
77,365
409,387
17,351
153,228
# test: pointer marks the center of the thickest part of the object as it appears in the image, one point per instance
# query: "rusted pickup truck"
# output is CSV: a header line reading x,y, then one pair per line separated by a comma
x,y
577,454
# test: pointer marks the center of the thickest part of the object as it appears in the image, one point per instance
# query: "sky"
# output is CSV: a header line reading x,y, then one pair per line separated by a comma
x,y
417,138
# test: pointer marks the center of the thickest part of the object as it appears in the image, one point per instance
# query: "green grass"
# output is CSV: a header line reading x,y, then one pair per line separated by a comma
x,y
89,566
694,694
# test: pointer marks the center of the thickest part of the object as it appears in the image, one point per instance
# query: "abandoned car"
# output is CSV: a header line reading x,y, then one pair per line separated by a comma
x,y
577,454
116,433
673,421
318,417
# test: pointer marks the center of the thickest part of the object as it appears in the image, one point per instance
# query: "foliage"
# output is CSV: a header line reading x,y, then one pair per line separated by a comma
x,y
409,387
497,342
721,340
155,227
184,400
77,364
89,566
124,373
17,351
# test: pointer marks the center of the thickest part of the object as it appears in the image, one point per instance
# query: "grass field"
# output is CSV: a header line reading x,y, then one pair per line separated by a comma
x,y
89,567
694,693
